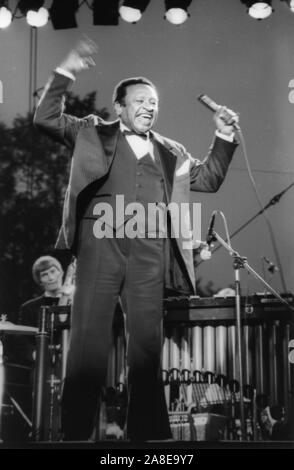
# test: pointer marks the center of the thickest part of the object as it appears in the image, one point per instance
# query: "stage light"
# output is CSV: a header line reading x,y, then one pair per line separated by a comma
x,y
38,18
63,13
258,10
36,15
105,12
131,10
290,4
177,11
5,17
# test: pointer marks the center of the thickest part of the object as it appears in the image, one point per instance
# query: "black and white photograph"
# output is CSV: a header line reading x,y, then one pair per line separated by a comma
x,y
146,240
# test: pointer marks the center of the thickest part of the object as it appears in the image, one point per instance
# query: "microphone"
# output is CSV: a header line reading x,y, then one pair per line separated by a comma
x,y
230,120
210,236
205,253
271,266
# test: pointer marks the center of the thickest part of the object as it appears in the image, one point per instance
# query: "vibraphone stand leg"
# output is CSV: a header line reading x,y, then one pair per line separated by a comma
x,y
1,384
239,263
42,339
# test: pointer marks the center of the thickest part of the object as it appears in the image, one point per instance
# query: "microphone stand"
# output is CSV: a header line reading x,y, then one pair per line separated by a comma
x,y
274,200
241,262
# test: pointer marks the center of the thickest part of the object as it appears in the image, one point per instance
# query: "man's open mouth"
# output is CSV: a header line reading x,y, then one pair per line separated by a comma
x,y
146,117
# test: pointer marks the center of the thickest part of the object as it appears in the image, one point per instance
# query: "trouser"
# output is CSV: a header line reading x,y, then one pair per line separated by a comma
x,y
132,269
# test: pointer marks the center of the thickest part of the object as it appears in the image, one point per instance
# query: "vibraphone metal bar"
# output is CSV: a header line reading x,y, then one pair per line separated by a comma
x,y
200,344
199,356
257,307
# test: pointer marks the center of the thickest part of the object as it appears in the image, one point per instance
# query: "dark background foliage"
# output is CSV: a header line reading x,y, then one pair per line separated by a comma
x,y
34,172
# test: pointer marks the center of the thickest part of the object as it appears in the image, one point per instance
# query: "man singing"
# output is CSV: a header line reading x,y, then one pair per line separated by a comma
x,y
123,158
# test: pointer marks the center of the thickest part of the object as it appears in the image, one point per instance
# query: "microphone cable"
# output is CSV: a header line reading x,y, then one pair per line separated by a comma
x,y
210,104
258,197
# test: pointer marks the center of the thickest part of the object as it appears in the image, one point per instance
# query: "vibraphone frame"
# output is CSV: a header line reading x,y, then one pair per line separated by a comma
x,y
199,346
200,343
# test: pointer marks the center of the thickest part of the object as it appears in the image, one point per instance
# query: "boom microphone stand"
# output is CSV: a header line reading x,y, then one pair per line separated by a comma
x,y
238,263
274,200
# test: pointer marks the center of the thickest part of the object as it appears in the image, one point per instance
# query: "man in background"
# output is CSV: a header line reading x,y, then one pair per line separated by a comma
x,y
48,274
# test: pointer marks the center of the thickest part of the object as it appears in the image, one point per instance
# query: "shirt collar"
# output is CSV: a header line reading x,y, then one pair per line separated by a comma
x,y
124,128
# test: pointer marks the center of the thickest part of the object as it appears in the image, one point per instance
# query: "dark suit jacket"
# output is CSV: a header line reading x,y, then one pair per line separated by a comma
x,y
94,144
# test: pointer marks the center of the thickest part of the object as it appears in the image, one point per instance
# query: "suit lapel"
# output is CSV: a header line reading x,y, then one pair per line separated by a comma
x,y
168,162
108,134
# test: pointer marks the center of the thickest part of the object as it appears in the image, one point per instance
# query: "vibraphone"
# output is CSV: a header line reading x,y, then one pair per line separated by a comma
x,y
200,345
199,362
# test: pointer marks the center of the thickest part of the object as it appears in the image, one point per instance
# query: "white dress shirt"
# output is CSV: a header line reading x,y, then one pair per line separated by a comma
x,y
140,145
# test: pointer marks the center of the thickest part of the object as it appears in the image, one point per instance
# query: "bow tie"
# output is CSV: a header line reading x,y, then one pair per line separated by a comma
x,y
127,132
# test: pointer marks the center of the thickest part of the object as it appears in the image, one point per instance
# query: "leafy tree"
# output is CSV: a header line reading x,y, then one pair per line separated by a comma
x,y
34,173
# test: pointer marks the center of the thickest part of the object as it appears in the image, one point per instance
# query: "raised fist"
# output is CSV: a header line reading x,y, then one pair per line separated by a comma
x,y
80,57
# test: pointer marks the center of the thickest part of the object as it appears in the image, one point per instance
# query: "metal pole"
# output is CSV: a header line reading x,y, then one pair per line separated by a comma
x,y
239,343
1,385
42,340
241,262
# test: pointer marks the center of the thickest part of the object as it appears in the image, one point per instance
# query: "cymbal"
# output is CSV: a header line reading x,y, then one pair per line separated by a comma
x,y
11,328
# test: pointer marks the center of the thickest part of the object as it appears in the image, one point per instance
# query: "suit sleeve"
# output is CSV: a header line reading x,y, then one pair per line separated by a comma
x,y
208,175
49,116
